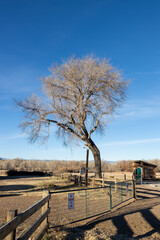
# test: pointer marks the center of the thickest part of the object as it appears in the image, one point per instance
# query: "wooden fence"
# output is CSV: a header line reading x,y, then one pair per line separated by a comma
x,y
14,220
94,182
103,181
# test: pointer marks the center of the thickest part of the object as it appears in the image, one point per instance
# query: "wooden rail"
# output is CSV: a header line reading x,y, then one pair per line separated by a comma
x,y
14,220
92,181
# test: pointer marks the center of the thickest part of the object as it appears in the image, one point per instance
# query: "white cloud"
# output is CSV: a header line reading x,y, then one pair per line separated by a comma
x,y
5,107
148,73
141,109
19,79
12,137
131,142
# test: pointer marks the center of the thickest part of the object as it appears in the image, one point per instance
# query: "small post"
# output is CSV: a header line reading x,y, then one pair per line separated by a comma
x,y
124,176
44,208
86,201
75,180
80,180
93,182
134,188
122,192
110,195
103,180
11,214
86,177
115,184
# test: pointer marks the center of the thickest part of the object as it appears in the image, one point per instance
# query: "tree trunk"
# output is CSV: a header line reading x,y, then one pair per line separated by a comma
x,y
97,158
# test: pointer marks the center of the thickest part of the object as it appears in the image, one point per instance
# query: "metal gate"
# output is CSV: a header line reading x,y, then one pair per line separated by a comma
x,y
76,205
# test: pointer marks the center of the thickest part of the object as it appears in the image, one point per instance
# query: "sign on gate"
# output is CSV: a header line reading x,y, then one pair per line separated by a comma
x,y
71,201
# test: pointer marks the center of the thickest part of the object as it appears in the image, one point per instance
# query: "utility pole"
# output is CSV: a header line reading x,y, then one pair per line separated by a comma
x,y
86,176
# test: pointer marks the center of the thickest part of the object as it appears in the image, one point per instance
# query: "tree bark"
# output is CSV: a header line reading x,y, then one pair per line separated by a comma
x,y
97,158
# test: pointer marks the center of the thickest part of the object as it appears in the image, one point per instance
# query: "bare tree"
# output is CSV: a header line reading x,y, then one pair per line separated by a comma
x,y
80,95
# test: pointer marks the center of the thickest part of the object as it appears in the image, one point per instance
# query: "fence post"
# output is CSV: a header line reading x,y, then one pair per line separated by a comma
x,y
86,201
122,192
93,182
11,214
133,188
110,195
44,208
115,184
103,180
86,174
80,180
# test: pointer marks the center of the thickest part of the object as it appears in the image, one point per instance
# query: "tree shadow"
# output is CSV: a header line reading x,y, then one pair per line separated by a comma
x,y
9,195
37,177
7,188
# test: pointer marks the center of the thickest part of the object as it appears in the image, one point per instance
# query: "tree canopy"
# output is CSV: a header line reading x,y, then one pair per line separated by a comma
x,y
80,96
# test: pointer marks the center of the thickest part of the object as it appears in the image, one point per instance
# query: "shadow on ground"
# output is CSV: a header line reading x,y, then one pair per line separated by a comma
x,y
17,187
9,195
147,199
21,176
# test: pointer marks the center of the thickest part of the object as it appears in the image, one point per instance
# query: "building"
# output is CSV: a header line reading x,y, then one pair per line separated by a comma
x,y
144,170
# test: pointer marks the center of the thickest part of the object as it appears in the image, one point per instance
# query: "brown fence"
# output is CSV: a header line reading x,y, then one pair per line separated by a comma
x,y
14,220
95,182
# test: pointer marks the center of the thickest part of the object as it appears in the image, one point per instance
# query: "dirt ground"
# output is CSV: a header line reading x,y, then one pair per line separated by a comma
x,y
134,220
139,219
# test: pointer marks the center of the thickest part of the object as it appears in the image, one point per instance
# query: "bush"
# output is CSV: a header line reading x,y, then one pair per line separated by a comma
x,y
25,173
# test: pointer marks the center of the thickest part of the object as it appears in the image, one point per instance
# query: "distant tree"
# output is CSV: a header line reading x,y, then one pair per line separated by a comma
x,y
156,162
126,165
80,95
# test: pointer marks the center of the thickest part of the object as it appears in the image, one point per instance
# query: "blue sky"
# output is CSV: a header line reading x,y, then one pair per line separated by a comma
x,y
36,33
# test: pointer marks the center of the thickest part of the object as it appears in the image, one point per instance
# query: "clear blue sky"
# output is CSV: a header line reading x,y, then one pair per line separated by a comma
x,y
36,33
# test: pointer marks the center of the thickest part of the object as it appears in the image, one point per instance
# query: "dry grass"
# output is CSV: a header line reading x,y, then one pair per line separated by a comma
x,y
76,234
29,185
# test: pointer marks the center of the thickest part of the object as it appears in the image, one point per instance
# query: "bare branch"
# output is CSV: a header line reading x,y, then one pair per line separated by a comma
x,y
80,96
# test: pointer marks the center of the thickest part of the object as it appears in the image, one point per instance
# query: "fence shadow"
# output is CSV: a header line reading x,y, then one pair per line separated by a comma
x,y
142,191
124,231
9,195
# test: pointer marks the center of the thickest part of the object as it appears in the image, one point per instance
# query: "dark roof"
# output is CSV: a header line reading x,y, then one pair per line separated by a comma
x,y
145,163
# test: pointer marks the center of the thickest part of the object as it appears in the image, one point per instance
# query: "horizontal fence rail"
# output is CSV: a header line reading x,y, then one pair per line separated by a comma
x,y
9,229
